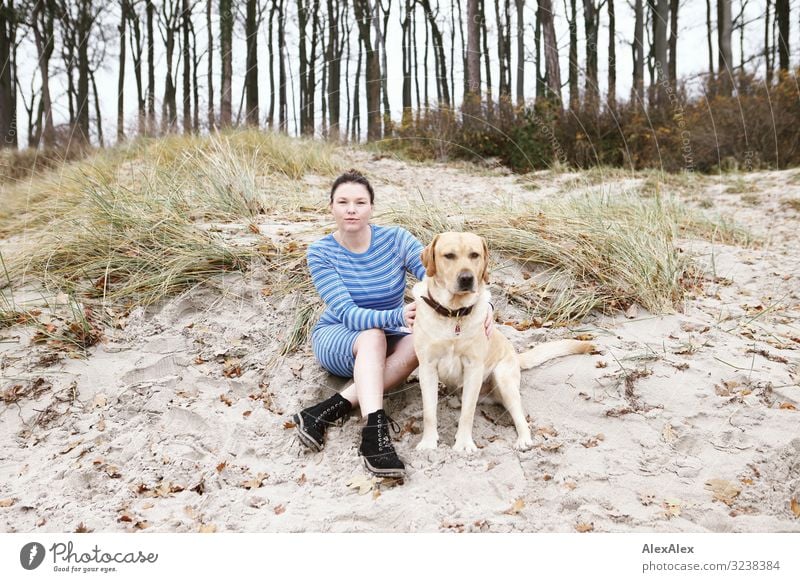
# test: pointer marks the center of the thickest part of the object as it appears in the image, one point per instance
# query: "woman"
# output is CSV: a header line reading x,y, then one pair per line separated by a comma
x,y
360,273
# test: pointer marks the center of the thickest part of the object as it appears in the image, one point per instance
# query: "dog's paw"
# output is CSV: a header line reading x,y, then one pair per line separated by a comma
x,y
524,443
465,445
428,444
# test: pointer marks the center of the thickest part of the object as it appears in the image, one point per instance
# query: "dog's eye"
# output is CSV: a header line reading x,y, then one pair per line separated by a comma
x,y
474,255
450,256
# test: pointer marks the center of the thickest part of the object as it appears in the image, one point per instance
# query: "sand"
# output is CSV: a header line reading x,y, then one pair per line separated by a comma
x,y
177,420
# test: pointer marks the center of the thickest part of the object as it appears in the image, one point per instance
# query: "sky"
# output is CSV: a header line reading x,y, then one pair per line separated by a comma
x,y
692,58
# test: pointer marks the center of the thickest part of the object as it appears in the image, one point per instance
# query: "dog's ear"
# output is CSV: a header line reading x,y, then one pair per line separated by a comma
x,y
485,273
429,258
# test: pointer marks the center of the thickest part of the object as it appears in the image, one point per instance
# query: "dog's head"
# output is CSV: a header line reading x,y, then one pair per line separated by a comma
x,y
457,261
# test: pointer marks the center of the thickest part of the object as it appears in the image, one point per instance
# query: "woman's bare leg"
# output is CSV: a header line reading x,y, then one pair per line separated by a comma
x,y
376,372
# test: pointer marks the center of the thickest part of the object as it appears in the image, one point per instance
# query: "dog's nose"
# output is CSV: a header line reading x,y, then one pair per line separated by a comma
x,y
465,281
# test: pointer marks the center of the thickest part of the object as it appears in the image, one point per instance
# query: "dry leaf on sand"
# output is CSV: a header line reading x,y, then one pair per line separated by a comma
x,y
518,506
362,483
725,491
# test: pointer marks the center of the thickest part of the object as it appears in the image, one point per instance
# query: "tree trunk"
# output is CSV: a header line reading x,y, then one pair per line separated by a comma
x,y
333,59
226,17
673,41
612,56
407,47
520,4
42,20
487,61
212,124
638,53
552,67
660,21
312,71
121,74
137,48
251,76
724,43
438,54
83,29
8,109
356,124
767,50
195,85
380,41
97,115
283,107
168,27
782,15
473,51
573,74
151,71
373,73
537,44
187,68
591,17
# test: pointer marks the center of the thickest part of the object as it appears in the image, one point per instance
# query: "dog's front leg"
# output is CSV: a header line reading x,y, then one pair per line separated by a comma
x,y
473,379
429,384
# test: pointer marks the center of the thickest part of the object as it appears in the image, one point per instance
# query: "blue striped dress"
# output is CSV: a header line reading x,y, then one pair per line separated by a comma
x,y
361,291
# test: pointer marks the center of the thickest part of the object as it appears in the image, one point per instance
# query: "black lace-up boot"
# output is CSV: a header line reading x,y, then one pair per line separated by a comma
x,y
379,455
312,422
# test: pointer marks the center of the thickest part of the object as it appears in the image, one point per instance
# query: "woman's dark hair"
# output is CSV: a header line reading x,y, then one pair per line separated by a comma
x,y
355,177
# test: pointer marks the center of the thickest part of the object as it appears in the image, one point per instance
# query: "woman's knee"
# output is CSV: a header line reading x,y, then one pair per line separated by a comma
x,y
372,339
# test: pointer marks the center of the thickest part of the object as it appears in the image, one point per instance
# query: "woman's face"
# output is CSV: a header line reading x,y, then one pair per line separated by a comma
x,y
351,207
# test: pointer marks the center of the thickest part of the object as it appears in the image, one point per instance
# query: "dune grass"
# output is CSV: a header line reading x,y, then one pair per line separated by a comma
x,y
131,226
588,253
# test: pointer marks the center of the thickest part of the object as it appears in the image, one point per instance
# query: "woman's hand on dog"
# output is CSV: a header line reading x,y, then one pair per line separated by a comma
x,y
409,313
488,325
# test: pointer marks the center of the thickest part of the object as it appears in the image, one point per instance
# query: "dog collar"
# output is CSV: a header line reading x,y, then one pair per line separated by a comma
x,y
442,310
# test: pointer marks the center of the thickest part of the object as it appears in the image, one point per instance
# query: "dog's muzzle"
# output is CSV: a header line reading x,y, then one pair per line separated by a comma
x,y
466,281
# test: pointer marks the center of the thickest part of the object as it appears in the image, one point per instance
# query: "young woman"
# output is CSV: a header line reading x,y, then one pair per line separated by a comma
x,y
360,273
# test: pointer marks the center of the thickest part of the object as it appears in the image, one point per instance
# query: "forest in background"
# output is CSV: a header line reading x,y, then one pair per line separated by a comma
x,y
463,79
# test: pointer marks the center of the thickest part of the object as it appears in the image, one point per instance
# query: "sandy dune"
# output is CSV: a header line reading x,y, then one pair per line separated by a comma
x,y
176,421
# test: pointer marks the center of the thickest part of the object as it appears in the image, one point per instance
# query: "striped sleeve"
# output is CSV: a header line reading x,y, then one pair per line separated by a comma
x,y
411,250
333,291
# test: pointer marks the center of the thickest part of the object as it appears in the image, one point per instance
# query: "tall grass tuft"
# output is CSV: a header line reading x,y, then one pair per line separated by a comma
x,y
588,253
128,246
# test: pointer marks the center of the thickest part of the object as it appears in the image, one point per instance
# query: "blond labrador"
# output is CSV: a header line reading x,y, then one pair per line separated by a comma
x,y
451,343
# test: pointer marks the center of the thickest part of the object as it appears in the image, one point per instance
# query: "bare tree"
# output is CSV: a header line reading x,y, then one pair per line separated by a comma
x,y
8,105
283,107
673,41
137,47
612,56
520,5
405,24
591,24
710,40
638,52
552,67
210,76
42,19
151,70
660,21
572,22
438,54
252,22
725,64
186,17
363,14
226,17
782,16
473,50
121,72
767,49
168,27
